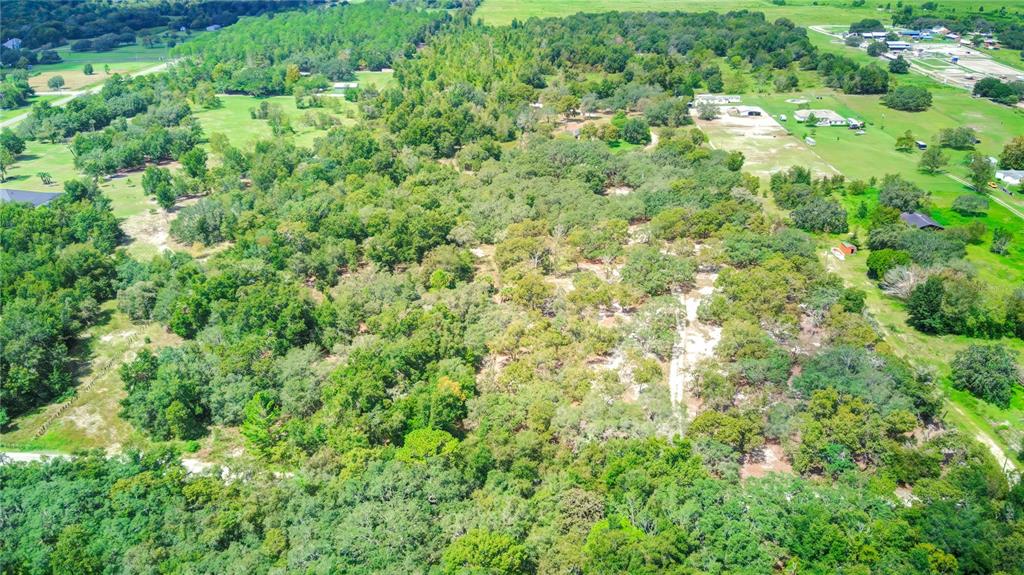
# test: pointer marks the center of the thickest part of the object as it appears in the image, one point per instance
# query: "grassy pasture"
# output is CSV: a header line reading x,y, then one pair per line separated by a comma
x,y
971,415
122,60
233,120
874,155
802,12
378,80
91,420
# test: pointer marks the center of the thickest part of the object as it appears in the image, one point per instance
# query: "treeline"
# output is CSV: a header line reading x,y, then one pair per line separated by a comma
x,y
56,268
254,56
46,24
474,83
14,89
128,123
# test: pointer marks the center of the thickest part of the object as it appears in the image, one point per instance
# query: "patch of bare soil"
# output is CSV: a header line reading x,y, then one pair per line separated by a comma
x,y
153,227
602,270
771,459
696,341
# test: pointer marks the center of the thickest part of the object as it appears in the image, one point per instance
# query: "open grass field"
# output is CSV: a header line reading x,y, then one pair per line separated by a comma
x,y
76,79
123,60
766,146
378,80
802,12
874,155
233,120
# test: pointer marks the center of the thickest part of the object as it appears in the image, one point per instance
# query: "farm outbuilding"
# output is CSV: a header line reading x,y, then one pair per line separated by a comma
x,y
25,197
920,221
716,99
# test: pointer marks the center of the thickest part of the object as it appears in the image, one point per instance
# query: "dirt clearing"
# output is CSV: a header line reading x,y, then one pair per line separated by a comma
x,y
765,144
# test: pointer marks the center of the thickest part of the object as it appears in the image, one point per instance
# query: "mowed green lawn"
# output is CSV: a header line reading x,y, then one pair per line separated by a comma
x,y
234,121
125,192
874,155
803,12
378,80
8,114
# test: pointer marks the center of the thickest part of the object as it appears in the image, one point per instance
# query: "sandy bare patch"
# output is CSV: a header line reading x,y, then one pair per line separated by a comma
x,y
771,460
696,341
107,338
153,227
619,191
86,419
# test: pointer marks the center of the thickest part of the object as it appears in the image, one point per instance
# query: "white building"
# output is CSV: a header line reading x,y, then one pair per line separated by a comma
x,y
824,117
1011,177
716,99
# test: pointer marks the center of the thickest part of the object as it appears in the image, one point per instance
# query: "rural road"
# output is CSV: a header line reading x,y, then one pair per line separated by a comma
x,y
994,198
72,95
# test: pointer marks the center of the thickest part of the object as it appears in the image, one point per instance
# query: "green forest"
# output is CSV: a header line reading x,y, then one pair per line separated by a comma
x,y
510,312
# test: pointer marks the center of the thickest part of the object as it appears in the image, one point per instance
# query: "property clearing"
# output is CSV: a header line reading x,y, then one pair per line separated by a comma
x,y
766,145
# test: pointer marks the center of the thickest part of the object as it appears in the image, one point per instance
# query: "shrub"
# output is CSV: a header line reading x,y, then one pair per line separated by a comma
x,y
986,371
970,205
881,261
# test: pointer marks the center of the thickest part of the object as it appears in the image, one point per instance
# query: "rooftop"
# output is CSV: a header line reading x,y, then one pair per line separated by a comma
x,y
919,221
20,196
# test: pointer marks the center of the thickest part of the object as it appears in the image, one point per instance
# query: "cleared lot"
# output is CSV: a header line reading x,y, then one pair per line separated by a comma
x,y
767,146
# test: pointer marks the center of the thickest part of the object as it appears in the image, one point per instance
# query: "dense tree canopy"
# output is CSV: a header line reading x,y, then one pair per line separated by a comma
x,y
442,336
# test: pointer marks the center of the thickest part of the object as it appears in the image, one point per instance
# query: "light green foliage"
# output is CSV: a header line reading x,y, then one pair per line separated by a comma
x,y
422,444
656,273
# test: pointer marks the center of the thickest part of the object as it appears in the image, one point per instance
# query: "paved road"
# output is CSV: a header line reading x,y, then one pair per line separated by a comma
x,y
72,95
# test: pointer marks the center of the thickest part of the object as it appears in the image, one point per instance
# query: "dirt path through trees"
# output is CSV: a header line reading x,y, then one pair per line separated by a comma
x,y
695,341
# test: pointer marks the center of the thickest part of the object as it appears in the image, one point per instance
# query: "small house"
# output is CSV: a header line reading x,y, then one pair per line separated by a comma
x,y
345,85
1010,177
810,141
921,145
24,197
822,117
895,46
920,221
12,43
843,250
782,117
854,123
869,35
213,27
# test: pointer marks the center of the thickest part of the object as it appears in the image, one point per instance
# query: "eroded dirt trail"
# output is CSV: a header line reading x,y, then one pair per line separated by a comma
x,y
695,341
